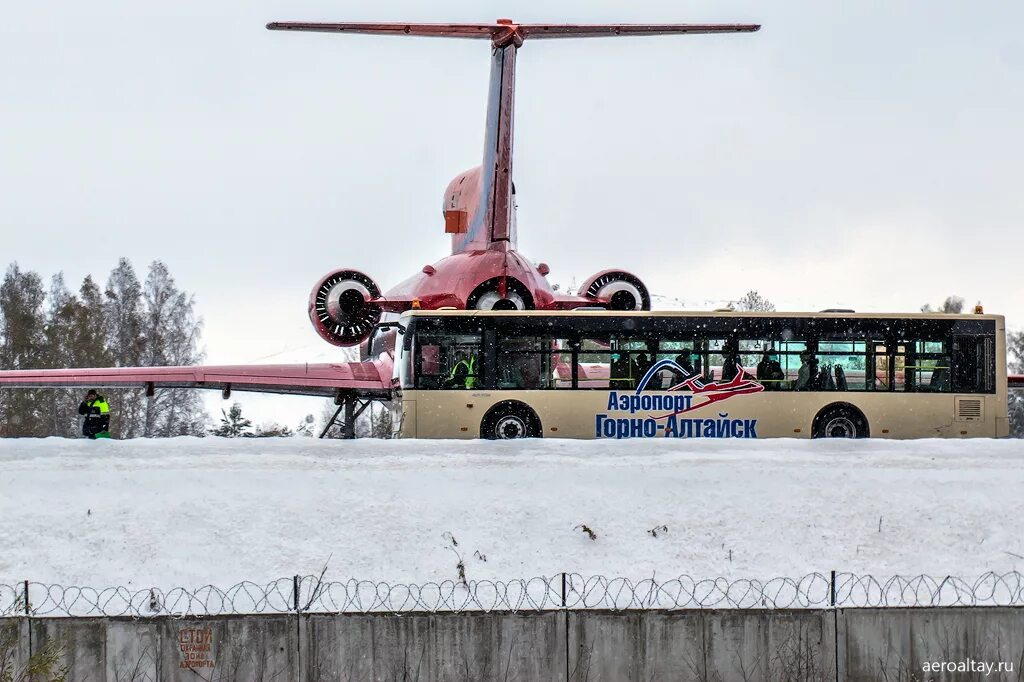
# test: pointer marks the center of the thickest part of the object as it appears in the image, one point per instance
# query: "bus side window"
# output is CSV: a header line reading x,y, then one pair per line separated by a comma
x,y
594,364
791,355
561,363
844,363
759,358
878,369
718,351
929,367
901,381
974,364
687,363
534,362
618,362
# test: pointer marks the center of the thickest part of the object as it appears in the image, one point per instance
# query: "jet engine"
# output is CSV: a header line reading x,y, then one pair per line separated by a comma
x,y
623,290
340,307
489,295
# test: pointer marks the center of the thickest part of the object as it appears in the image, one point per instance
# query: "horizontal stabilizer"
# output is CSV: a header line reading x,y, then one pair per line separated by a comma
x,y
504,27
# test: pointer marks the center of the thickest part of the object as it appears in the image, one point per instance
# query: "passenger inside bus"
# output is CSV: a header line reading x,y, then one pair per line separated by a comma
x,y
519,370
621,371
730,360
526,374
683,360
807,377
640,366
769,371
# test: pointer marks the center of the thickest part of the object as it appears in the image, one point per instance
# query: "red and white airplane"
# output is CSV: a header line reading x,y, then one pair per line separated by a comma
x,y
484,270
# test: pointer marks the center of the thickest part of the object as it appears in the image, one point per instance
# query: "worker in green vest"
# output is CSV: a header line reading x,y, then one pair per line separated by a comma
x,y
97,416
463,374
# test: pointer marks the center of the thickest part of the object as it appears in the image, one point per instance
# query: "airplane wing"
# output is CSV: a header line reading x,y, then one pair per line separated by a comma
x,y
365,379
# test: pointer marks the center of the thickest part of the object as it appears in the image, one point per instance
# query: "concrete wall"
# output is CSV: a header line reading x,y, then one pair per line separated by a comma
x,y
14,646
229,648
652,646
566,646
441,646
894,644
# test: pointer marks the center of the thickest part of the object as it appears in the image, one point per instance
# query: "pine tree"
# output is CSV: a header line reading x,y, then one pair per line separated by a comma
x,y
233,424
62,320
123,323
88,343
382,423
754,302
22,346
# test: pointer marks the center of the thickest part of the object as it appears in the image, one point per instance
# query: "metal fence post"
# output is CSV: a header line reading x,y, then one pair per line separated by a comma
x,y
28,607
563,590
832,589
295,592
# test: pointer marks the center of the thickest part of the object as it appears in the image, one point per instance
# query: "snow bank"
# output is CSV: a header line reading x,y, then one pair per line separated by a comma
x,y
192,511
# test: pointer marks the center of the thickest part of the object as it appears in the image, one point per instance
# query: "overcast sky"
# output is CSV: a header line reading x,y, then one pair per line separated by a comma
x,y
860,154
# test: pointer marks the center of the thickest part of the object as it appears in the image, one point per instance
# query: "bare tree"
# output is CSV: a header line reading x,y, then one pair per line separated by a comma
x,y
953,305
753,302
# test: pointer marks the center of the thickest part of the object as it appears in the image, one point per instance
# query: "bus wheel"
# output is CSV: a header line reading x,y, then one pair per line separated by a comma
x,y
840,421
510,419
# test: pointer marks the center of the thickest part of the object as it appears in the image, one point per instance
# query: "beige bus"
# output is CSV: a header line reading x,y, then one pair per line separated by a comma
x,y
606,374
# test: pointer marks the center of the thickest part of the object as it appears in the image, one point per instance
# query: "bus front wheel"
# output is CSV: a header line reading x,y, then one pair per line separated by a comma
x,y
510,419
840,421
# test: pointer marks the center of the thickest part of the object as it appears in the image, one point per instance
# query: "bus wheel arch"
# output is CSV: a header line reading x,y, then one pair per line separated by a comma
x,y
840,420
510,419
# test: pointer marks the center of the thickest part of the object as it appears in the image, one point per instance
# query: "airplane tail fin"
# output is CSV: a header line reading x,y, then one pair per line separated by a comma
x,y
488,221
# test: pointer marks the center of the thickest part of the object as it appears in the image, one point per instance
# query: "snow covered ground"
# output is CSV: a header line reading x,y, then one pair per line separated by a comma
x,y
212,511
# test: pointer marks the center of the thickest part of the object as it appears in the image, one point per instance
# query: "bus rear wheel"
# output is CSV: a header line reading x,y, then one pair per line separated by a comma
x,y
840,421
510,419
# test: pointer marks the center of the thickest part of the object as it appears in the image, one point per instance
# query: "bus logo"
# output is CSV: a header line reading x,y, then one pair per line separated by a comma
x,y
674,402
714,392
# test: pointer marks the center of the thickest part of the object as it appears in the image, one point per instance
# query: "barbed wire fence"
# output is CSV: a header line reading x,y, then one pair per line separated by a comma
x,y
311,594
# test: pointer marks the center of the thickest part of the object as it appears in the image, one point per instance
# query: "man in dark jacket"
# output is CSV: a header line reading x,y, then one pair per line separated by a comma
x,y
97,416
